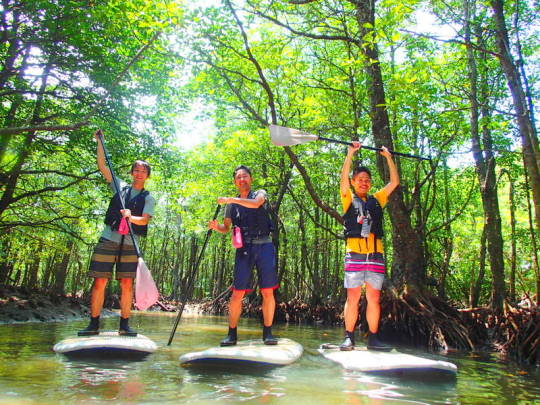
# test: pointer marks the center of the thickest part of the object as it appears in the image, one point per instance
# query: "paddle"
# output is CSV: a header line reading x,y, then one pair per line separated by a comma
x,y
283,136
192,278
149,295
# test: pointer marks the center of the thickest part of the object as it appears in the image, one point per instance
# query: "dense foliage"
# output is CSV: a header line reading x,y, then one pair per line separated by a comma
x,y
133,67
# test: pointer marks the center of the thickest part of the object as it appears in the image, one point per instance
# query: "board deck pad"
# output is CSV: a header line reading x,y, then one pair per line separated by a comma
x,y
370,361
247,352
106,345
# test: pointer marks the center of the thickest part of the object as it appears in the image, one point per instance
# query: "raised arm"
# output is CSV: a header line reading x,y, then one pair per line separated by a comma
x,y
394,175
345,183
100,155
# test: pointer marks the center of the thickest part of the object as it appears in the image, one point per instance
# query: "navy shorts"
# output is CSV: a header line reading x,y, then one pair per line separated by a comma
x,y
263,257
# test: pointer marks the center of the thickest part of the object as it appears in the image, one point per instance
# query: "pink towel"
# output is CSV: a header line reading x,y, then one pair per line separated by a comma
x,y
123,228
146,292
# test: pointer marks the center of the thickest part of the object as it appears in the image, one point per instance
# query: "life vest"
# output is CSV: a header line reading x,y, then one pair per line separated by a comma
x,y
358,206
253,222
136,205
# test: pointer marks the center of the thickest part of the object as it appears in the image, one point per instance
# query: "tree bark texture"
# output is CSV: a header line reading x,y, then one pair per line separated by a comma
x,y
408,266
529,140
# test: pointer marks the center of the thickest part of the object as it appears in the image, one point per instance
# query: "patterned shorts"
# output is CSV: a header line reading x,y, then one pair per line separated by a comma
x,y
364,268
108,253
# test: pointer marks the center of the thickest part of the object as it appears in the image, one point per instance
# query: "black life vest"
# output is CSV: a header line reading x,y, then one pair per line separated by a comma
x,y
135,204
253,222
350,219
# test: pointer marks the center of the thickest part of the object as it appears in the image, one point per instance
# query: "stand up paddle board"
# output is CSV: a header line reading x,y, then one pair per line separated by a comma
x,y
248,352
106,345
369,361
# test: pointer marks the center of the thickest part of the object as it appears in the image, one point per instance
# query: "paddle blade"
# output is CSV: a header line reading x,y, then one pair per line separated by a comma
x,y
146,292
283,136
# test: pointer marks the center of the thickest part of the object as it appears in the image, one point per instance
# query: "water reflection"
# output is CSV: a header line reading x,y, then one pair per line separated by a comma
x,y
31,372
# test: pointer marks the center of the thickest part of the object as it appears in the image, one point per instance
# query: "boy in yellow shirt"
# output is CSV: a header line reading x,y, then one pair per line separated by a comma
x,y
364,259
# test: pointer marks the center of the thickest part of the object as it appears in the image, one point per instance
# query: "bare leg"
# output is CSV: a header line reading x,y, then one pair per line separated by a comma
x,y
373,311
96,304
98,296
235,310
351,307
235,307
268,306
373,316
268,309
126,298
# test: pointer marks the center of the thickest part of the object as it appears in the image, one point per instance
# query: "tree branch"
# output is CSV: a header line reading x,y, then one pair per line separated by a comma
x,y
307,34
18,130
309,186
44,190
317,224
453,41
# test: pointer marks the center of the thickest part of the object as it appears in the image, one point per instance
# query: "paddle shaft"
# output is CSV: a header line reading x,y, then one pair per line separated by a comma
x,y
372,148
192,279
117,189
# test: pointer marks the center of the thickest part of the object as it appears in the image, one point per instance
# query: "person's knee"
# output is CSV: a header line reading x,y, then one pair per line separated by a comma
x,y
100,284
126,284
354,295
237,295
267,293
373,296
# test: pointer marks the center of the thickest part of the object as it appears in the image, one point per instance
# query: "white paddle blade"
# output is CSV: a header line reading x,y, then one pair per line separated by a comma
x,y
283,136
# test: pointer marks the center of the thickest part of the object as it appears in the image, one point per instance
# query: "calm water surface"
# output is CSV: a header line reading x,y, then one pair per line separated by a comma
x,y
31,373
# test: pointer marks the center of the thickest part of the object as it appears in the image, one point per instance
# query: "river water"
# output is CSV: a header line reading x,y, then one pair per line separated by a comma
x,y
31,373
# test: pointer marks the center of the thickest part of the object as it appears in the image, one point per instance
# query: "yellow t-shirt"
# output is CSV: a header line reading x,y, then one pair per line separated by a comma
x,y
364,245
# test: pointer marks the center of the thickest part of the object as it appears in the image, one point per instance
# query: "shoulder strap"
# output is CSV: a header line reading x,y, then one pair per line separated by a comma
x,y
125,194
142,194
358,203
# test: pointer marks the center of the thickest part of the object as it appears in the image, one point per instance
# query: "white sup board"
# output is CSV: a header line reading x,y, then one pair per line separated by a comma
x,y
370,361
248,352
106,345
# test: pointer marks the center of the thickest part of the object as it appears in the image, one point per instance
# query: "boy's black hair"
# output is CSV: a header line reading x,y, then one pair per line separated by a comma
x,y
360,169
241,167
142,163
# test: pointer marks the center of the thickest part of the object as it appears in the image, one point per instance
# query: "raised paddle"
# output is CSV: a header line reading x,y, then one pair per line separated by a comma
x,y
147,296
192,278
283,136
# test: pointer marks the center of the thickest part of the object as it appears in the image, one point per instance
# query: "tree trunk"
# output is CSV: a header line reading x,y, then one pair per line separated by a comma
x,y
408,266
32,274
48,272
62,269
534,253
6,264
448,238
476,285
485,169
529,139
13,176
513,257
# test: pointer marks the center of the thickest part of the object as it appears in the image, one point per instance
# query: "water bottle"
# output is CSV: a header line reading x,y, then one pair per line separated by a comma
x,y
366,226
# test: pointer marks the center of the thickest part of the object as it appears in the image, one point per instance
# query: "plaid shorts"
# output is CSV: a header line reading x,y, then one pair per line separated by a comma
x,y
108,253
